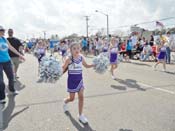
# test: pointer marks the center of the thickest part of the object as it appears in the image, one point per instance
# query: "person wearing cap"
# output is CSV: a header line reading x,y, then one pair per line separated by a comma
x,y
14,57
6,66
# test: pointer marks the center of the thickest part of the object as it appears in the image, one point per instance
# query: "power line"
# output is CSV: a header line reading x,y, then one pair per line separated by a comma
x,y
142,23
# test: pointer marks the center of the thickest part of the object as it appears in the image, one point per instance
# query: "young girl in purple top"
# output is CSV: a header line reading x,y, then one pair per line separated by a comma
x,y
105,45
162,56
41,50
113,56
75,84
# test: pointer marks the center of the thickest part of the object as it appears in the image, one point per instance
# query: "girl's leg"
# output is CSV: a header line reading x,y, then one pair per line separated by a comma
x,y
80,101
115,66
70,98
112,70
164,65
63,59
156,64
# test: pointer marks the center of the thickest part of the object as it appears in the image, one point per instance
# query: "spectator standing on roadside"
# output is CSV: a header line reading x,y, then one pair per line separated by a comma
x,y
14,58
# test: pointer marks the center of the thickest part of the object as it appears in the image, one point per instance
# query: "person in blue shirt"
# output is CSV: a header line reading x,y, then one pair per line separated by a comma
x,y
51,46
85,45
29,47
6,66
129,48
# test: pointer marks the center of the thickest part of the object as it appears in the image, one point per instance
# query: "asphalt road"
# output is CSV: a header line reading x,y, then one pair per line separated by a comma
x,y
139,100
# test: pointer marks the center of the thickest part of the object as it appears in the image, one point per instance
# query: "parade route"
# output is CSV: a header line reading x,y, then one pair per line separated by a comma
x,y
140,99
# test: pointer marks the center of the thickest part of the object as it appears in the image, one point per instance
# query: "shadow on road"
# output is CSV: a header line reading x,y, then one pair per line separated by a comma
x,y
168,72
127,83
7,112
77,125
19,86
140,64
119,87
125,130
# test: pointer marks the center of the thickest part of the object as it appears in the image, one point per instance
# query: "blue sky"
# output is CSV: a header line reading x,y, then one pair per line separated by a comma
x,y
64,17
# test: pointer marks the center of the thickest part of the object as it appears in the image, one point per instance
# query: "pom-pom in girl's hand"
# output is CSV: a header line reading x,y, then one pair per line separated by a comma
x,y
50,69
101,63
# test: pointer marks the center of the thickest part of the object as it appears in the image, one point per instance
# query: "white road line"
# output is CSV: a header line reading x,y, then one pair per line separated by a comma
x,y
160,89
168,91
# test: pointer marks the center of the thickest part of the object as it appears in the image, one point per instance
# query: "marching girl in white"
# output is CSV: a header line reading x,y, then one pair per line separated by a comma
x,y
113,56
162,55
40,50
75,84
64,48
105,46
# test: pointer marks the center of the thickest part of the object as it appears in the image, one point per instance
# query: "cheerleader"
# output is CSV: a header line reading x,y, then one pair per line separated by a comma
x,y
63,49
162,56
75,79
41,50
113,56
105,46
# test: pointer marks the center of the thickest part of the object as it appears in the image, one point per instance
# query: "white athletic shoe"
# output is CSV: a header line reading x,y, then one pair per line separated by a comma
x,y
154,68
65,107
113,77
14,93
163,70
83,119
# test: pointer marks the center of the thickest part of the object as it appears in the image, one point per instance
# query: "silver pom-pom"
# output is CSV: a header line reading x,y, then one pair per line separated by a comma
x,y
119,59
50,69
101,63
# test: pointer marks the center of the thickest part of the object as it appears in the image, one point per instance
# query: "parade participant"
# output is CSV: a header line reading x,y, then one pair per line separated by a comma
x,y
29,46
168,49
91,45
51,47
85,46
63,48
98,46
105,45
129,49
6,66
15,58
75,79
41,50
113,56
151,40
162,55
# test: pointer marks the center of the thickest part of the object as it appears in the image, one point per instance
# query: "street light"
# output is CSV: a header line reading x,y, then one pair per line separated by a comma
x,y
107,22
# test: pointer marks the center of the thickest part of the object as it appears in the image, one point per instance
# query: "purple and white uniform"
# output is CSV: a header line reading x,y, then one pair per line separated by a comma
x,y
105,47
75,78
162,54
41,53
113,55
64,50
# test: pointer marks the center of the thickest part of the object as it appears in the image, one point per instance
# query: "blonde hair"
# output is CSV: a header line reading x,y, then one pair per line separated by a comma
x,y
113,39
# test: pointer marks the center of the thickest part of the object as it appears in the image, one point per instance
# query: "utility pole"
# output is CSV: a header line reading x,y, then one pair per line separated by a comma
x,y
107,16
44,34
87,26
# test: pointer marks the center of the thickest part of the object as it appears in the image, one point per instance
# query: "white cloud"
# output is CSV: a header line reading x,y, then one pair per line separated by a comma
x,y
63,17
